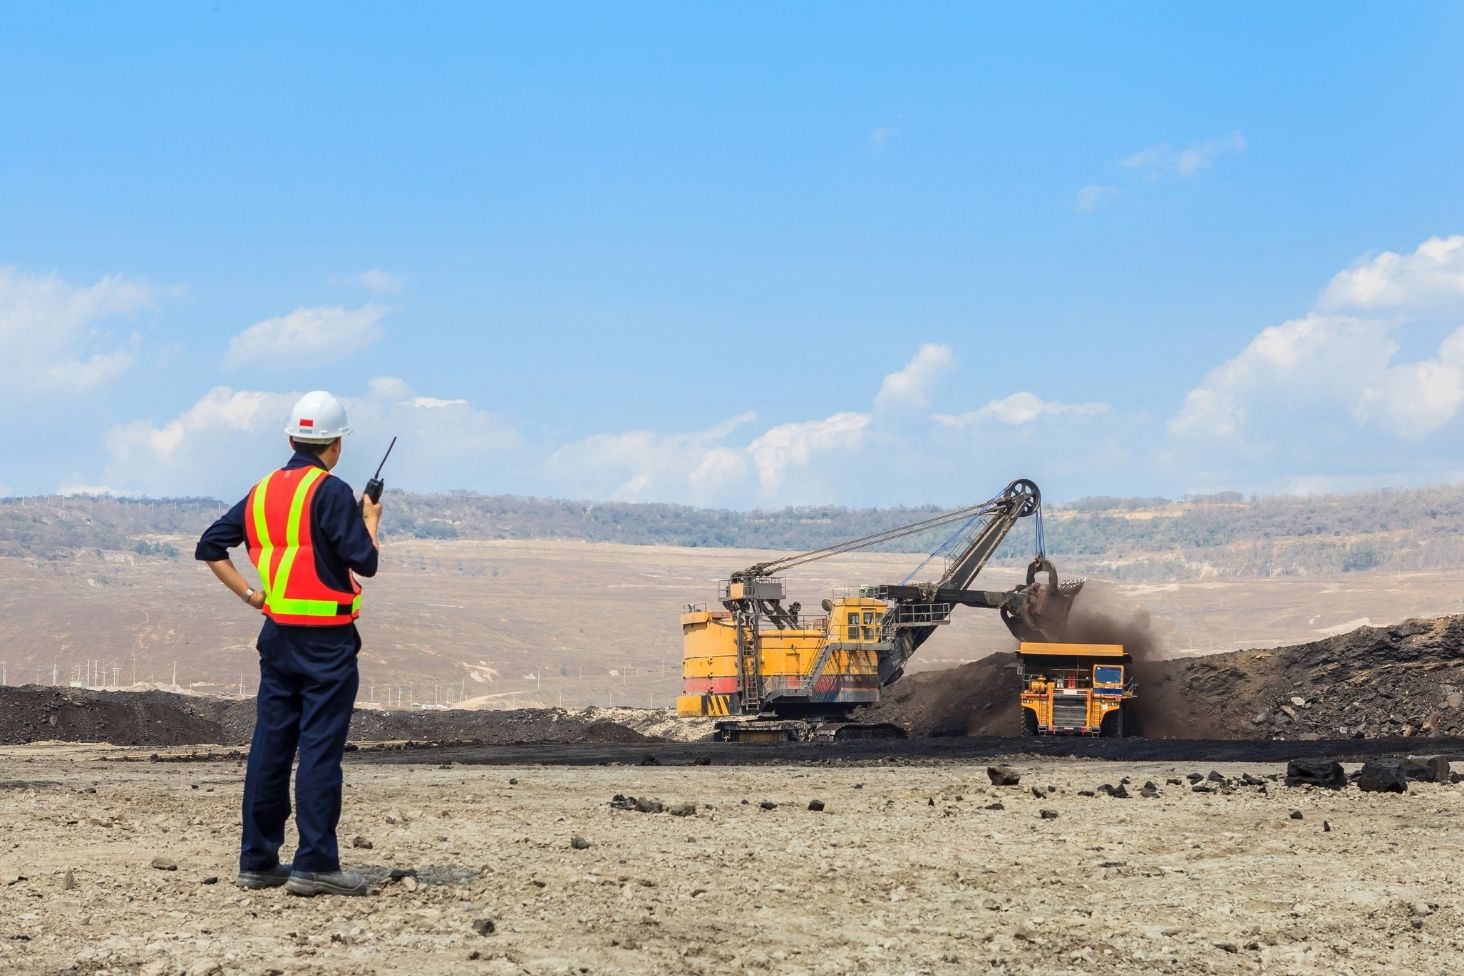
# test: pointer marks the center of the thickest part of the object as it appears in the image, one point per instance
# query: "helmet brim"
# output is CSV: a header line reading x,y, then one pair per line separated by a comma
x,y
316,438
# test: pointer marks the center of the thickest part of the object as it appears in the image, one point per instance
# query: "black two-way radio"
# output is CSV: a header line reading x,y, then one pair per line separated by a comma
x,y
375,486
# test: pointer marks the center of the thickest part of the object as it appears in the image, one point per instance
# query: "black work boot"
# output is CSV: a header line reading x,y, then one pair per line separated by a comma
x,y
326,883
268,878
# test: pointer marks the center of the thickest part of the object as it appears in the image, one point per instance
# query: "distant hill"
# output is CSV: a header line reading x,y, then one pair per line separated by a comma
x,y
1158,539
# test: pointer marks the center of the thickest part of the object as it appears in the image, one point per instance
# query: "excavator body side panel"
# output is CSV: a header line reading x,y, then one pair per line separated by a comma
x,y
844,647
708,664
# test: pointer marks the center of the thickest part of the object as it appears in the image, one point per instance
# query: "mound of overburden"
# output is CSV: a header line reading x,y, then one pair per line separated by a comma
x,y
1403,680
36,713
979,698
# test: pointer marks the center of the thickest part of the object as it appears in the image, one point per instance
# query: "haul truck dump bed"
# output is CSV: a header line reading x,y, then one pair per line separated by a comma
x,y
1074,689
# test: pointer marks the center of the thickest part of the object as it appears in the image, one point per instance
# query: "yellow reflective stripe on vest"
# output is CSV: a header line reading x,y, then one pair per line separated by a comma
x,y
261,530
274,593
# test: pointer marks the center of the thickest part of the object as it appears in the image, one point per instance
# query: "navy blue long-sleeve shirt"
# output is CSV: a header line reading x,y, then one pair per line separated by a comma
x,y
337,533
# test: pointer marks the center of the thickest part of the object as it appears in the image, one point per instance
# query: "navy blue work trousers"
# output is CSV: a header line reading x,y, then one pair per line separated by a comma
x,y
307,688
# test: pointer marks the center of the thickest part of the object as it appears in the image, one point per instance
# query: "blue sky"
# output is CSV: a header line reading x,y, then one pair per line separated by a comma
x,y
738,255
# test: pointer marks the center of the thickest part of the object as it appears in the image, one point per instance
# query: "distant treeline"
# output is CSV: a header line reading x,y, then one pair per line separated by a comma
x,y
1226,534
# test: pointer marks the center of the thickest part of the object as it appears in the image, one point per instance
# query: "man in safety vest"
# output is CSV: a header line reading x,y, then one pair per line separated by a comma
x,y
309,538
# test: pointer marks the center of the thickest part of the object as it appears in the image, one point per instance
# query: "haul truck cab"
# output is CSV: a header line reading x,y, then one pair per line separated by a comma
x,y
1074,689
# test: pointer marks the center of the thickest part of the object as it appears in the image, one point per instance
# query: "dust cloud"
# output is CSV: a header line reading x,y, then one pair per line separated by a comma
x,y
1101,616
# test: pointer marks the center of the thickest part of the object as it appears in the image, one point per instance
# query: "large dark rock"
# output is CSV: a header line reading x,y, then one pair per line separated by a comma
x,y
1315,772
1436,769
1416,770
1003,776
1382,777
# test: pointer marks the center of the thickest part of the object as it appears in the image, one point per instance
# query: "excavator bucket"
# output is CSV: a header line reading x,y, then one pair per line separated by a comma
x,y
1038,611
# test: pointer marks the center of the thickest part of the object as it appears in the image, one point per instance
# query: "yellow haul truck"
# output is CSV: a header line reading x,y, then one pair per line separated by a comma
x,y
802,676
1074,689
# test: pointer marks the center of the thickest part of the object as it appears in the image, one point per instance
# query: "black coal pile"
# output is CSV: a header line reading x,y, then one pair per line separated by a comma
x,y
35,713
1403,680
979,698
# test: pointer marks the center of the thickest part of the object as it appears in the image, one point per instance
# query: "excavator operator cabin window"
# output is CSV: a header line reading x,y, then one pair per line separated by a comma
x,y
854,626
869,625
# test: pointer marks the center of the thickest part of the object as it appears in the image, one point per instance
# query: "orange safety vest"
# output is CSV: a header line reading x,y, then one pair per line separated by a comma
x,y
281,546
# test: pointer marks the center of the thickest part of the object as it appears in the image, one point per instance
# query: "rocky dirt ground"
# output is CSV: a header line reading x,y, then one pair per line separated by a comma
x,y
911,869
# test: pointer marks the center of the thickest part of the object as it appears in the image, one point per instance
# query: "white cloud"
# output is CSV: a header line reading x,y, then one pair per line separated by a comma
x,y
1093,196
388,388
851,457
229,436
911,385
51,335
787,464
1317,358
789,446
310,337
444,442
1019,410
639,464
205,434
433,403
1432,274
882,136
1164,160
376,281
1334,371
1415,399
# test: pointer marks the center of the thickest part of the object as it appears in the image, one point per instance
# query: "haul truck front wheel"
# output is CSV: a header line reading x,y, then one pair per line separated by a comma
x,y
1029,722
1112,725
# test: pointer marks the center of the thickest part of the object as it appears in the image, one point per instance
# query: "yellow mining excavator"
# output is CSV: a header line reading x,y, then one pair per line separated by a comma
x,y
777,674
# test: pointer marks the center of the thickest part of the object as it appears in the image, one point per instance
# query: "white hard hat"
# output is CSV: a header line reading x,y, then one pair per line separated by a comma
x,y
318,418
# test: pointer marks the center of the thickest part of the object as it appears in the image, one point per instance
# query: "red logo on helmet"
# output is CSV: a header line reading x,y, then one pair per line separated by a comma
x,y
306,423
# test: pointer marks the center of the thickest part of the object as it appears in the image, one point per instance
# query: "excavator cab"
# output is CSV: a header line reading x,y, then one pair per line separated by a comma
x,y
1038,611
